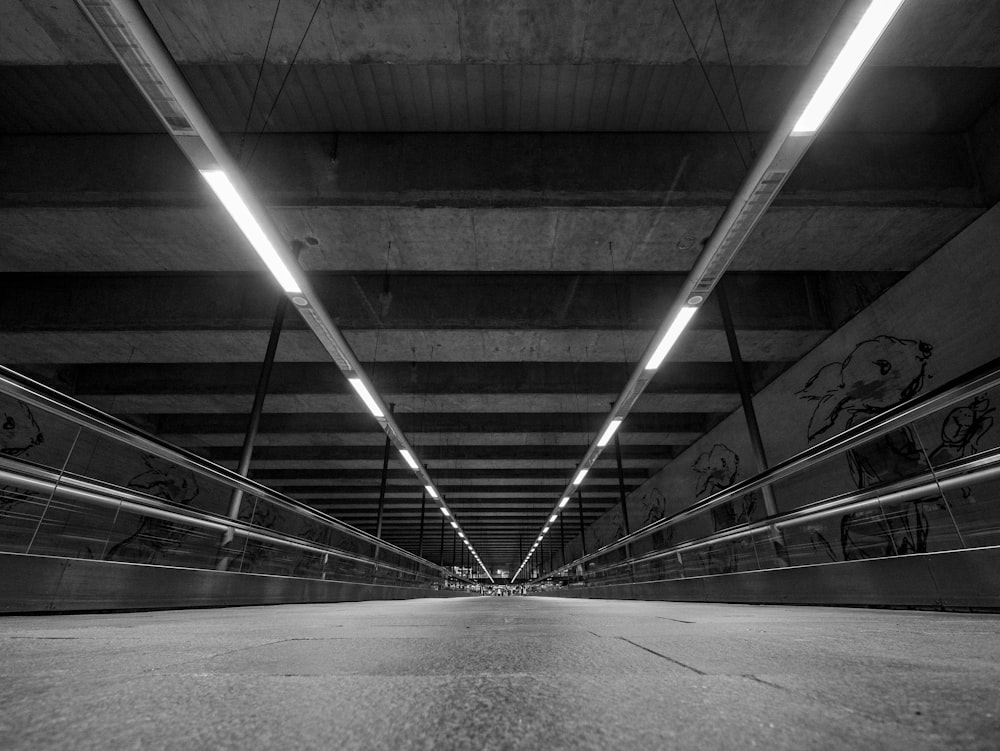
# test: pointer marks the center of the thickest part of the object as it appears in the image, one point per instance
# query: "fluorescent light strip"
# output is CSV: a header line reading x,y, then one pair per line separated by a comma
x,y
366,396
454,524
851,57
564,501
226,192
670,338
610,431
434,494
580,475
552,519
408,458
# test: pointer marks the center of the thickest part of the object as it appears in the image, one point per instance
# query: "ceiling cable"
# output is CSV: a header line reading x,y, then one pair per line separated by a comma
x,y
281,88
260,74
736,85
618,304
715,96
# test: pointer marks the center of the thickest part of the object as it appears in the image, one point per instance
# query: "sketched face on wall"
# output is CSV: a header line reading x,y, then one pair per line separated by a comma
x,y
18,429
879,373
716,470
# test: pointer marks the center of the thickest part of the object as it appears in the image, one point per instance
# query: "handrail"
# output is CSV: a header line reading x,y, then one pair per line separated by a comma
x,y
950,476
20,386
973,382
53,484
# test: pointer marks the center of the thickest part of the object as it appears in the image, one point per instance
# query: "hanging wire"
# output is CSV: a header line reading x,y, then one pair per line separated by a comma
x,y
383,304
711,88
281,88
260,74
736,85
618,304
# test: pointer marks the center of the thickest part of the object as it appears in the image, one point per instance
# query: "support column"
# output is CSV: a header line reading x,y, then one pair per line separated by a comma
x,y
562,539
253,426
621,484
750,415
423,510
385,477
583,536
441,552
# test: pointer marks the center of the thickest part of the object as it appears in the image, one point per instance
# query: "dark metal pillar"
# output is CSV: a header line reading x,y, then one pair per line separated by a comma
x,y
454,542
423,510
562,539
583,536
385,477
621,483
253,427
441,551
750,414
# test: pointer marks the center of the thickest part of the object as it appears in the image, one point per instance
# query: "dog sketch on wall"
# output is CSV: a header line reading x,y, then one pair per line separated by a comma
x,y
961,431
19,433
878,374
716,470
154,537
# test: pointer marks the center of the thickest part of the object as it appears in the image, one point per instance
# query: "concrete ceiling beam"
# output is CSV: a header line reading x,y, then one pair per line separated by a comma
x,y
574,31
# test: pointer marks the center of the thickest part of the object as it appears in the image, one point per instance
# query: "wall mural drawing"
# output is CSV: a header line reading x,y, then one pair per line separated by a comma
x,y
878,374
153,538
961,432
19,434
717,470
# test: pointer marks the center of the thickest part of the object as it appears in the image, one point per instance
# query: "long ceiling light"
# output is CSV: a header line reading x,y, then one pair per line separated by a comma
x,y
850,39
221,185
129,34
841,73
669,339
609,432
373,406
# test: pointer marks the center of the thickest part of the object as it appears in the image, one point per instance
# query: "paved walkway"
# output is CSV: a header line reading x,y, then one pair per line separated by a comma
x,y
502,673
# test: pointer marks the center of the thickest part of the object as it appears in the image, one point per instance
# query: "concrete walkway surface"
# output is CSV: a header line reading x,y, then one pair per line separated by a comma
x,y
502,673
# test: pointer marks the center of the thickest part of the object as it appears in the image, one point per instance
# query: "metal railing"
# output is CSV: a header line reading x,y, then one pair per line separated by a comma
x,y
622,556
34,497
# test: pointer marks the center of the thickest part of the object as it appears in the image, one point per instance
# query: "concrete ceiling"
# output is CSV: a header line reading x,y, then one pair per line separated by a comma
x,y
496,200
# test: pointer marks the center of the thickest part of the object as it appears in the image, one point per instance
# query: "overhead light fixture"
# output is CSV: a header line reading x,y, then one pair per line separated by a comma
x,y
552,519
226,192
434,494
851,57
366,396
684,316
545,530
462,535
609,431
580,475
564,501
454,524
408,458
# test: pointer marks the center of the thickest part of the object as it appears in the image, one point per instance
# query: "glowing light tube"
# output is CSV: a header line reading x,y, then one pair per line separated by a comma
x,y
609,431
841,73
226,192
671,337
580,475
408,458
366,397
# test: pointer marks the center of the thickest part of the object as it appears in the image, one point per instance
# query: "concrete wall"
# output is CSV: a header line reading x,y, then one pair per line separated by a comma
x,y
936,324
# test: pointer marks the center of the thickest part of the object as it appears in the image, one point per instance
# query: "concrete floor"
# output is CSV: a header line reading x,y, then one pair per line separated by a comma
x,y
502,673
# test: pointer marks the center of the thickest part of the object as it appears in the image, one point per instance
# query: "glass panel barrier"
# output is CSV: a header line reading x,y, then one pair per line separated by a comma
x,y
920,478
75,482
